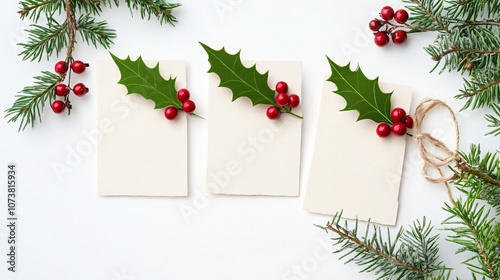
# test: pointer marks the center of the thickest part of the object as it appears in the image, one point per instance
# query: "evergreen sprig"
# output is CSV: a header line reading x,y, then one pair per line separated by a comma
x,y
473,224
468,42
30,101
52,37
494,120
409,254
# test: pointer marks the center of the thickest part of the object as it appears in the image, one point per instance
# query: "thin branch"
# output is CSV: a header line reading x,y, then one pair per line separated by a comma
x,y
492,84
482,253
433,17
72,26
493,23
28,9
373,250
455,50
485,177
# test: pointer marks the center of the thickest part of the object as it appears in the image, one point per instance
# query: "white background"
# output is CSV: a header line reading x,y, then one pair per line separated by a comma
x,y
66,231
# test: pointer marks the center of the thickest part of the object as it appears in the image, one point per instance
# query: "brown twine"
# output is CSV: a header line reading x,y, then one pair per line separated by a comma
x,y
432,160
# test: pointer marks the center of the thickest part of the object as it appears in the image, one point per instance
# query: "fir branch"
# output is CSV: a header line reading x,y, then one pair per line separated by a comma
x,y
494,120
474,231
94,33
33,9
30,101
428,14
44,40
411,254
479,174
158,8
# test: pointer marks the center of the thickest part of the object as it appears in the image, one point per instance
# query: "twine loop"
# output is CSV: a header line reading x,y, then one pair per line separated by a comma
x,y
432,160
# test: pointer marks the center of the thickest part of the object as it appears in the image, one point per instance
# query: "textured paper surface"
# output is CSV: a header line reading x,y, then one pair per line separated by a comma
x,y
352,169
248,154
140,152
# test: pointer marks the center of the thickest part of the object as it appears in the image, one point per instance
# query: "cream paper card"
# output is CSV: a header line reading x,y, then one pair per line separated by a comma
x,y
140,152
248,154
352,169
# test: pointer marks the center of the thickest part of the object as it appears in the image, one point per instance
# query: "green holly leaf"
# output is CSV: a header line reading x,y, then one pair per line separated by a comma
x,y
138,78
242,81
361,93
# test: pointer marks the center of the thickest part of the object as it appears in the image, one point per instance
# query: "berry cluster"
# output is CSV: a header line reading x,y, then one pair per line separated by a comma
x,y
188,105
63,90
284,101
398,35
401,120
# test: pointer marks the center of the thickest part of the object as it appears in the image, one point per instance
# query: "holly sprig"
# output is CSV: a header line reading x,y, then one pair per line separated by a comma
x,y
243,81
148,82
51,38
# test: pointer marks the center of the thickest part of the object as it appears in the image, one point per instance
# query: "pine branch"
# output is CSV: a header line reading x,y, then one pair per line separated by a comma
x,y
158,8
94,33
29,104
427,14
474,231
44,40
494,120
33,9
479,174
411,254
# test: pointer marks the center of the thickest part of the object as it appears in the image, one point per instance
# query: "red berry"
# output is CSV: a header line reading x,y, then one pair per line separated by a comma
x,y
58,106
273,113
399,128
61,67
188,106
387,13
401,16
282,99
170,113
398,115
293,100
78,66
381,39
282,87
183,94
409,122
383,130
374,25
399,37
80,89
61,90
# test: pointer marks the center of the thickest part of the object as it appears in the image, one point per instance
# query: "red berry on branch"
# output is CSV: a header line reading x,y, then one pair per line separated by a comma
x,y
399,37
61,67
401,16
282,87
170,113
78,66
188,106
399,128
183,94
282,99
273,113
80,89
293,100
409,122
387,13
381,39
374,25
398,115
383,130
61,90
58,106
